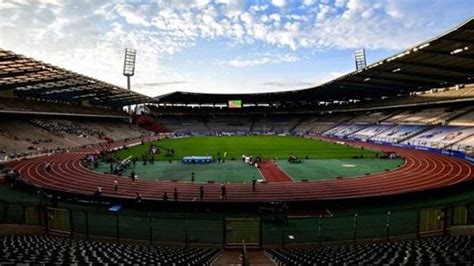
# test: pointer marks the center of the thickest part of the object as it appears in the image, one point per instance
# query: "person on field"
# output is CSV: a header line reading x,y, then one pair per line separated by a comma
x,y
223,191
138,197
175,194
201,192
254,183
115,185
47,167
165,196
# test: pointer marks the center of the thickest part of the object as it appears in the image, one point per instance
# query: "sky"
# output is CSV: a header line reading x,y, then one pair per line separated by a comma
x,y
221,46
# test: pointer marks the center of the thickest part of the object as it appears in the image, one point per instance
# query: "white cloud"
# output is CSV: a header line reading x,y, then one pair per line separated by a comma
x,y
260,60
279,3
89,36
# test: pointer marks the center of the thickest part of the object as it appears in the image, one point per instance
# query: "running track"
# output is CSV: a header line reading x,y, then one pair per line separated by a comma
x,y
421,171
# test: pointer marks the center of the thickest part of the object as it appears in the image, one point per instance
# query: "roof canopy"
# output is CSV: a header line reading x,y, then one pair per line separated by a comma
x,y
444,61
29,78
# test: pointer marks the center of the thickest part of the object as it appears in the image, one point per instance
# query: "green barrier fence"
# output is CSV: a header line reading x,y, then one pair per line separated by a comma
x,y
155,228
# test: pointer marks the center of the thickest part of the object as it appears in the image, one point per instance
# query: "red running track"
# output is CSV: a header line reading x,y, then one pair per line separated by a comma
x,y
421,171
272,173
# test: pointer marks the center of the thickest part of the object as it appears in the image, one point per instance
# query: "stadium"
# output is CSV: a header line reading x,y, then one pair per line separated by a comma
x,y
372,167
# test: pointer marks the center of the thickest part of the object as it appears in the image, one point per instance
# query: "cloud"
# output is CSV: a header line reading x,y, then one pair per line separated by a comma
x,y
260,60
279,3
286,84
164,83
89,36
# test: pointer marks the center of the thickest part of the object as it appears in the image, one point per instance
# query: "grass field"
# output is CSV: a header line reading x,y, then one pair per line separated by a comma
x,y
332,168
267,147
239,172
327,160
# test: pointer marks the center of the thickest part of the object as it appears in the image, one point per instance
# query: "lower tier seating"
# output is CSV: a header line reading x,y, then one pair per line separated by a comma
x,y
48,250
444,250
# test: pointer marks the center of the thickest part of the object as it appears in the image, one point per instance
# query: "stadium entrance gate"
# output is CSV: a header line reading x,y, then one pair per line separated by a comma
x,y
432,221
59,220
242,229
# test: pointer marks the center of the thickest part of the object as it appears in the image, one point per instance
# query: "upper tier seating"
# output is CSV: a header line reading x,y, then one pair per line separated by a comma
x,y
446,250
370,117
56,250
8,104
424,116
464,120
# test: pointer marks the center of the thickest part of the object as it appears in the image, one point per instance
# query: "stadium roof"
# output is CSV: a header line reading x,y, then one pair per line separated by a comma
x,y
29,78
444,61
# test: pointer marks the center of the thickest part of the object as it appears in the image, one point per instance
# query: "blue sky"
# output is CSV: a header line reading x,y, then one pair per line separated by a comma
x,y
221,46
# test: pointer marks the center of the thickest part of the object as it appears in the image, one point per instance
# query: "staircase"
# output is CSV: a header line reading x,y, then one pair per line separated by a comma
x,y
233,257
298,123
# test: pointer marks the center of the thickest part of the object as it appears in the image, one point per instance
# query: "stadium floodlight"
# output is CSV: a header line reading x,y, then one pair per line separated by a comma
x,y
360,60
129,62
129,67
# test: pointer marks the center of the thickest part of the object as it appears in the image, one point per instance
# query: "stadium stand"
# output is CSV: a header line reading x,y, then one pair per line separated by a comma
x,y
425,102
441,136
371,117
21,137
42,249
17,105
399,133
371,131
464,120
445,250
229,123
344,130
423,116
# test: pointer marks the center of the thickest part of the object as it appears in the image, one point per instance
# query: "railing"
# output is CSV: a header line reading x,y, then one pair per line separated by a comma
x,y
154,228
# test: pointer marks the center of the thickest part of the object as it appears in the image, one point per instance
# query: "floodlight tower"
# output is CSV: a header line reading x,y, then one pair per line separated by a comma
x,y
129,67
360,60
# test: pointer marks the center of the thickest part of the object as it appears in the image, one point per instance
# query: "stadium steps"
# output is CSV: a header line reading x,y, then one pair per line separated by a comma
x,y
303,119
233,257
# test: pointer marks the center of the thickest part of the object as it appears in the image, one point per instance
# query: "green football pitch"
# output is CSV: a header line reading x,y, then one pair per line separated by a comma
x,y
239,172
267,147
325,160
